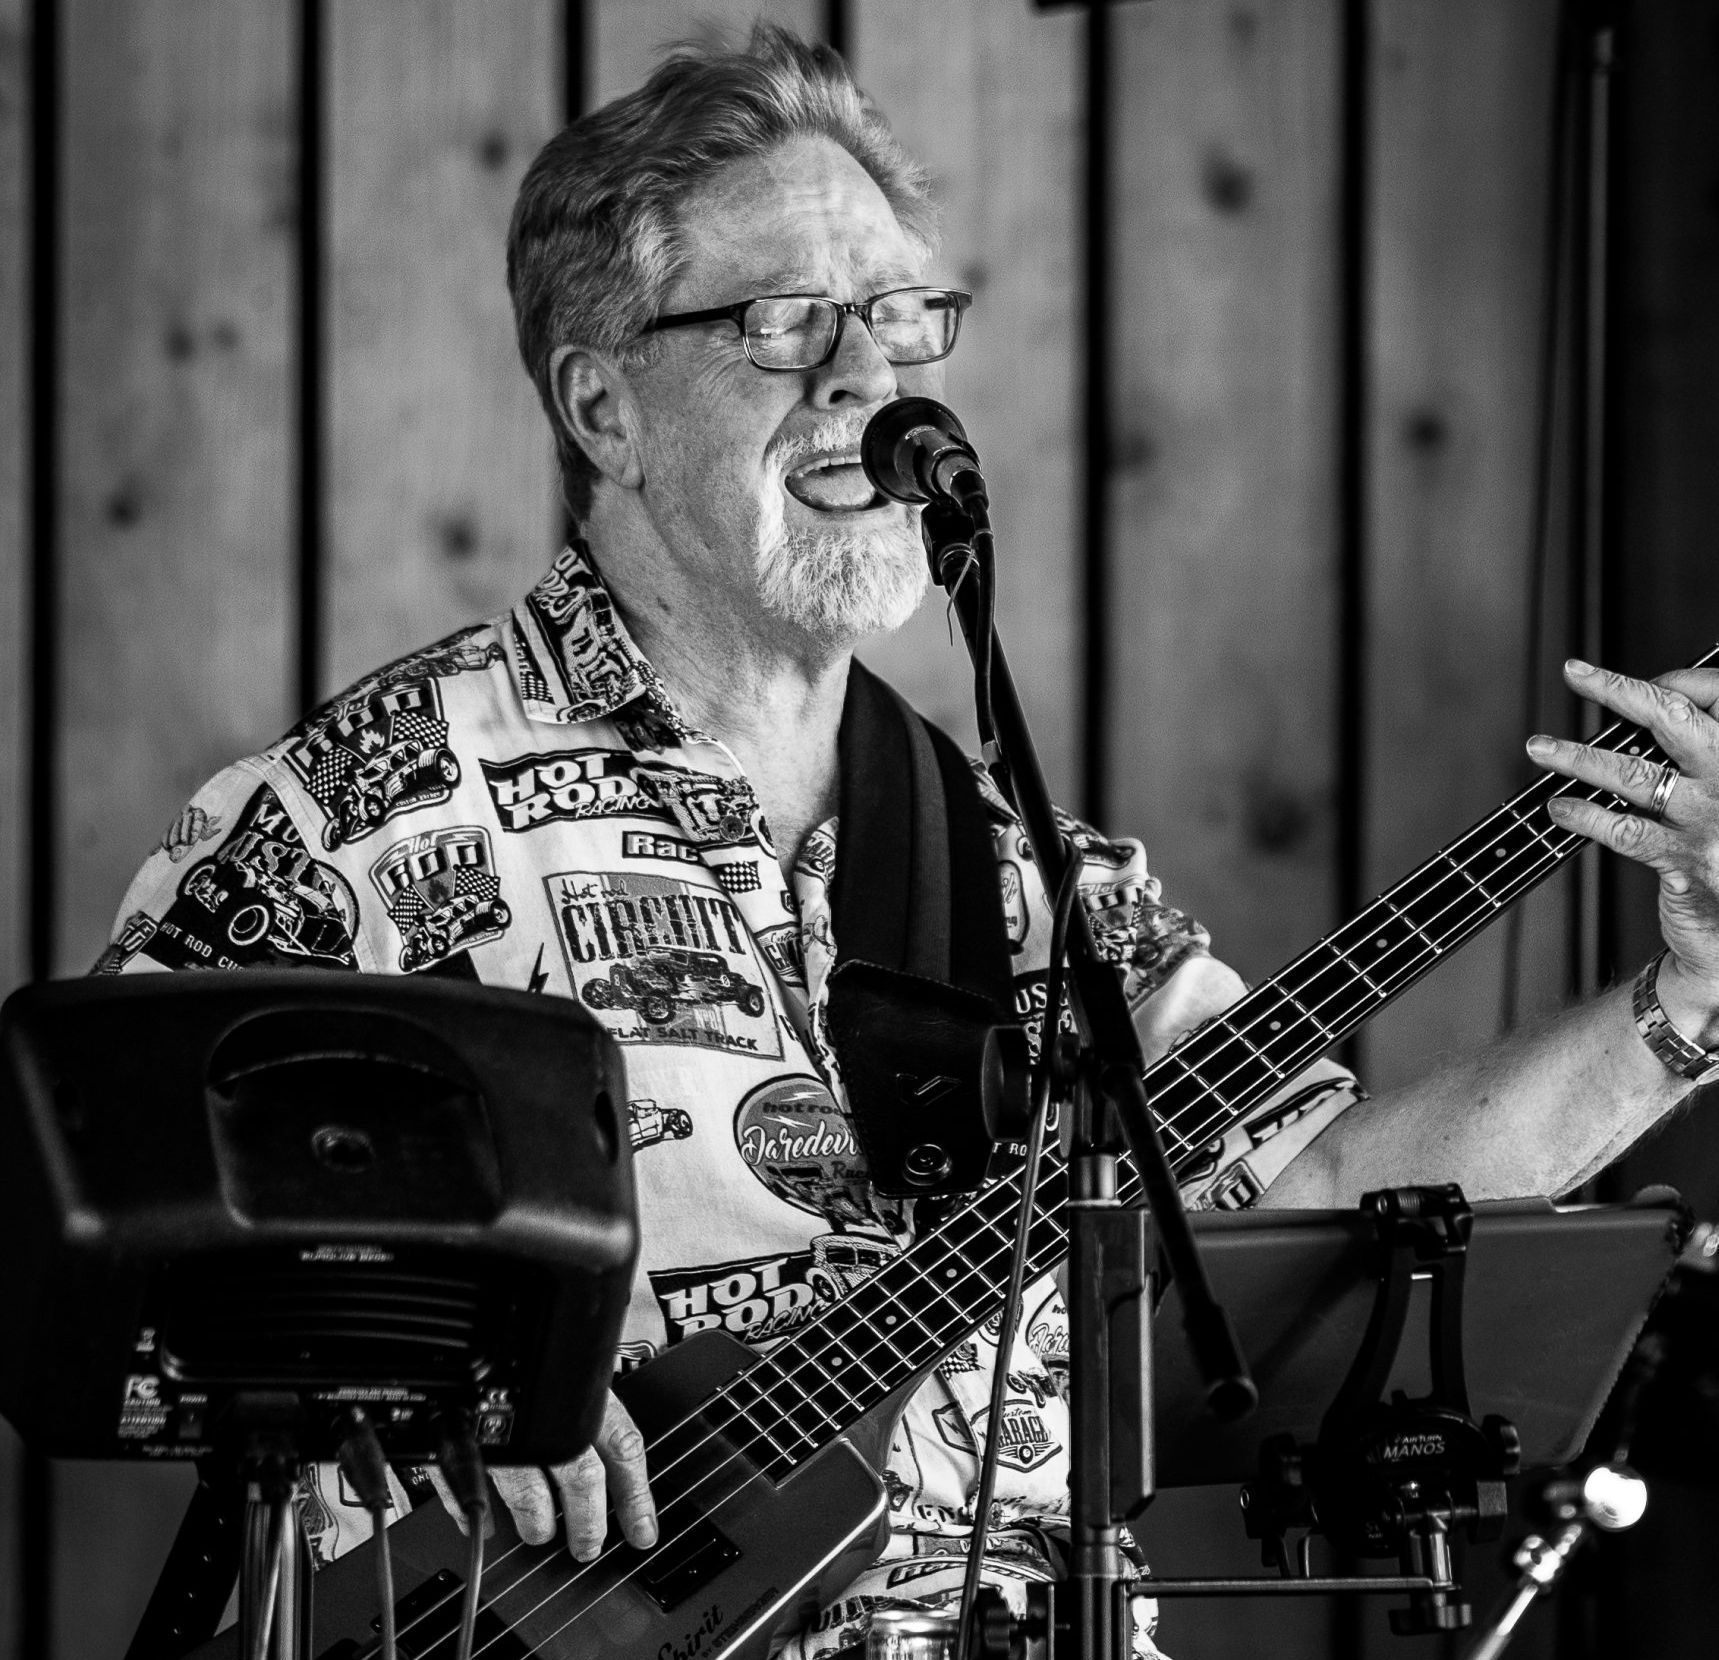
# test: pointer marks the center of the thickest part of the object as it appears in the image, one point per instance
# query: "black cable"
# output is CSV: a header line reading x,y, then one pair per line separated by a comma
x,y
1009,1316
384,1581
461,1462
366,1467
981,569
474,1578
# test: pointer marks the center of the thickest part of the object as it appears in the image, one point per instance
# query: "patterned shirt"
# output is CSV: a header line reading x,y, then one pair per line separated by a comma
x,y
524,803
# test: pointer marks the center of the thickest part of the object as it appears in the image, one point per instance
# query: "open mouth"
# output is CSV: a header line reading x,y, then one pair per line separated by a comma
x,y
833,484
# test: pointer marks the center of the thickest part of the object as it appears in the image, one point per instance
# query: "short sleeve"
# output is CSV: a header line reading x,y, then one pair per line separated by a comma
x,y
233,884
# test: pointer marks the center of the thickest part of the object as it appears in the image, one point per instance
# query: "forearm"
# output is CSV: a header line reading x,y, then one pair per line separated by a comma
x,y
1538,1113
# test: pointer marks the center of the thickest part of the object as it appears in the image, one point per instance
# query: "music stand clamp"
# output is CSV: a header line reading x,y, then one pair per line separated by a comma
x,y
1398,1476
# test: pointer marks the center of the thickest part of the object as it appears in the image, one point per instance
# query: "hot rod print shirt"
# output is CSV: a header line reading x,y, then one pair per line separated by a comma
x,y
522,802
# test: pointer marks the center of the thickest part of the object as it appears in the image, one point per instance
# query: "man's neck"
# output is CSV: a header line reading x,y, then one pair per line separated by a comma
x,y
771,696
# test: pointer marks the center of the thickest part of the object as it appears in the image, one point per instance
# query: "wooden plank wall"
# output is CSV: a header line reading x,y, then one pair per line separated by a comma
x,y
432,112
1222,484
1458,212
994,113
175,510
15,656
288,375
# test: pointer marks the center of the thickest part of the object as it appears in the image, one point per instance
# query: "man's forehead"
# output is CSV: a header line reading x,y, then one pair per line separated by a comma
x,y
796,220
803,277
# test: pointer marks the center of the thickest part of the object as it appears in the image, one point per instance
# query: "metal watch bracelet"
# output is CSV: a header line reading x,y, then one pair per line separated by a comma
x,y
1674,1050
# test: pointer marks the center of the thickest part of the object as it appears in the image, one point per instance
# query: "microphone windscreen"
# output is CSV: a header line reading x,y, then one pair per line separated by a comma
x,y
896,434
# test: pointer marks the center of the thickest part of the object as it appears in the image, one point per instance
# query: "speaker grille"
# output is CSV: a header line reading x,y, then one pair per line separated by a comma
x,y
325,1323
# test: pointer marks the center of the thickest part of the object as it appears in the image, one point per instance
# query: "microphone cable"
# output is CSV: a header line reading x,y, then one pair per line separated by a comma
x,y
461,1463
1008,1318
365,1466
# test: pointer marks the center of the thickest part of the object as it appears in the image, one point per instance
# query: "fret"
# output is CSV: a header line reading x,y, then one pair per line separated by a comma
x,y
1222,1023
835,1364
797,1398
1331,989
1364,977
1224,1066
740,1412
1400,914
1308,1015
1469,880
1175,1102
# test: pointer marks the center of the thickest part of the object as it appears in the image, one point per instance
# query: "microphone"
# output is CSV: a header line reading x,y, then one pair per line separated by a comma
x,y
915,450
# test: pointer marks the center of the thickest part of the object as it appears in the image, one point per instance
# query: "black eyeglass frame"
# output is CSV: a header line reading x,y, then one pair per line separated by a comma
x,y
736,314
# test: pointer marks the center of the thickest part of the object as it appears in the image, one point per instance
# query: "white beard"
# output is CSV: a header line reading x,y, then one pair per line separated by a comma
x,y
836,585
841,585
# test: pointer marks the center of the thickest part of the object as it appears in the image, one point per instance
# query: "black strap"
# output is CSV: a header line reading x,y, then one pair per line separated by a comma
x,y
915,885
923,968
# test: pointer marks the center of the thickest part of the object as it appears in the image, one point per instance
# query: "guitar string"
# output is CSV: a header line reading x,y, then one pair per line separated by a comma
x,y
1541,860
1518,881
963,1323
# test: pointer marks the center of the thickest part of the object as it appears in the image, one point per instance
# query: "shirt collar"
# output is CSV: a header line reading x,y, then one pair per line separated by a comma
x,y
573,658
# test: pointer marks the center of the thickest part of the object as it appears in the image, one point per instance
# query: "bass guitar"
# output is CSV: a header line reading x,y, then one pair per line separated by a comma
x,y
766,1505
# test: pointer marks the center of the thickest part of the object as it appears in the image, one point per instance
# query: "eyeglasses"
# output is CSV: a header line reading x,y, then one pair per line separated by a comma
x,y
800,331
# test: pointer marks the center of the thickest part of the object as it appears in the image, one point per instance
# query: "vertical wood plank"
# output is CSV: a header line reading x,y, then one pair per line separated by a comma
x,y
989,98
1222,628
175,564
175,574
441,497
1460,140
15,246
628,39
1224,616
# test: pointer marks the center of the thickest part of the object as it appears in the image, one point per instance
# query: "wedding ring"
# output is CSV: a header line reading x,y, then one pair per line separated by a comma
x,y
1668,776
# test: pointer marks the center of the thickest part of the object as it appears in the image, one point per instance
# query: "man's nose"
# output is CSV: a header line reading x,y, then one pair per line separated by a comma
x,y
858,371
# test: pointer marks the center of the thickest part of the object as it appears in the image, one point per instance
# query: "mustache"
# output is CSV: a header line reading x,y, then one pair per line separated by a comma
x,y
830,436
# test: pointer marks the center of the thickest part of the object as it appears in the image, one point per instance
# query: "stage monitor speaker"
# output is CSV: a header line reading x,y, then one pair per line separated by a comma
x,y
232,1201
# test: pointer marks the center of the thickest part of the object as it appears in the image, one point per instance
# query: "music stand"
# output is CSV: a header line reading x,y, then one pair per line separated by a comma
x,y
1551,1302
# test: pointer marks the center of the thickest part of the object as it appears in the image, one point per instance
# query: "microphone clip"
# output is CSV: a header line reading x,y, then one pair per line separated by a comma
x,y
950,536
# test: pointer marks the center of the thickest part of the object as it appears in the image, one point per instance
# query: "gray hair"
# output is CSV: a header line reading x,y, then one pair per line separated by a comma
x,y
594,244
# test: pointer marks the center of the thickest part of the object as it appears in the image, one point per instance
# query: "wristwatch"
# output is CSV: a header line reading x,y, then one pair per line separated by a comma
x,y
1687,1060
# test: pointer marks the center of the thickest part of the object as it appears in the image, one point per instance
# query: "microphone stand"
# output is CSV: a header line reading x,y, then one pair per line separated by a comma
x,y
1116,1252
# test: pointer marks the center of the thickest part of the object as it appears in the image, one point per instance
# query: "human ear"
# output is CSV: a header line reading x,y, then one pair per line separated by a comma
x,y
594,404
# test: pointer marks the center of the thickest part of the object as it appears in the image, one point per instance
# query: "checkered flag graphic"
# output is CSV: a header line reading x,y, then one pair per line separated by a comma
x,y
740,876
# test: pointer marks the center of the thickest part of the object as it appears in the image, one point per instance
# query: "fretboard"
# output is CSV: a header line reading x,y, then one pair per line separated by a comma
x,y
915,1310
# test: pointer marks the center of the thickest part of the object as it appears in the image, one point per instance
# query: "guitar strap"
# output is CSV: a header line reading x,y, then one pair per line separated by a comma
x,y
923,963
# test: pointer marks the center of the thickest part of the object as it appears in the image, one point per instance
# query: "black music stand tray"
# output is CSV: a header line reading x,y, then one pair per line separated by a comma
x,y
1549,1303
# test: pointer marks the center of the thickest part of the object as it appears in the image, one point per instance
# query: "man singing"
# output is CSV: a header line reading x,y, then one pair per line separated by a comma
x,y
627,790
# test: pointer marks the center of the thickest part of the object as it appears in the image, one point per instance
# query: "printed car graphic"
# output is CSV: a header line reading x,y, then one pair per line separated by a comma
x,y
661,983
401,773
366,760
438,931
842,1261
647,1124
249,905
441,889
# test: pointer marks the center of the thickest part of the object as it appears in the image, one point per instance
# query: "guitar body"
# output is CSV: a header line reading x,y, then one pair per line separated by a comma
x,y
724,1580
